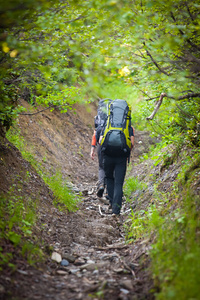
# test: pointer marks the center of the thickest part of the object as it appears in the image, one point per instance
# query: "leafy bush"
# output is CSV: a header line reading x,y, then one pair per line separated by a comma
x,y
17,218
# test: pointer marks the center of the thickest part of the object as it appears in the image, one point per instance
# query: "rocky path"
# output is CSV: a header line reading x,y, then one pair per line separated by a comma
x,y
88,257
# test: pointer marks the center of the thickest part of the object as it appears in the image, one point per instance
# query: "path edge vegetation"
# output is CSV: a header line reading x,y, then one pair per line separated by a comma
x,y
19,213
170,221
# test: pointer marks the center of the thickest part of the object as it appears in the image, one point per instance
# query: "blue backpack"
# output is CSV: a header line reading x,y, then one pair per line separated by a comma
x,y
102,112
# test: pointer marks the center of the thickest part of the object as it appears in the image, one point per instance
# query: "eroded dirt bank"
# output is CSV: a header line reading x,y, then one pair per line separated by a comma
x,y
96,263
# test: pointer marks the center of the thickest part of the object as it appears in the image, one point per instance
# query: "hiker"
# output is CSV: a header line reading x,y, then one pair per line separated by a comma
x,y
101,174
116,145
99,122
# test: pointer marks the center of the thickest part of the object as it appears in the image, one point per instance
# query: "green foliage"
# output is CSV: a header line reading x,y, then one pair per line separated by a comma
x,y
18,214
62,99
171,221
57,55
53,54
118,89
21,214
64,196
5,259
192,165
176,253
14,136
17,217
131,185
144,223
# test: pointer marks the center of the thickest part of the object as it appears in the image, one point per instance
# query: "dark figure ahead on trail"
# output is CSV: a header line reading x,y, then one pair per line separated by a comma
x,y
100,120
117,140
95,144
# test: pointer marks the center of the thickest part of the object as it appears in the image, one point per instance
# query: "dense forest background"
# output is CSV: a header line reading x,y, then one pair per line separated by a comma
x,y
57,54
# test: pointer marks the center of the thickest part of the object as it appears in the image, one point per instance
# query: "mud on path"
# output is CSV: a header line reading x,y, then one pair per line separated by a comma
x,y
93,260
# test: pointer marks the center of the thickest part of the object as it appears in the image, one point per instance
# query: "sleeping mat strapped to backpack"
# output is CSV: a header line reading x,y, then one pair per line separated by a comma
x,y
116,139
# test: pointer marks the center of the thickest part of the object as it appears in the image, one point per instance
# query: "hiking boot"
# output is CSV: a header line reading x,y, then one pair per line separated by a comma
x,y
100,191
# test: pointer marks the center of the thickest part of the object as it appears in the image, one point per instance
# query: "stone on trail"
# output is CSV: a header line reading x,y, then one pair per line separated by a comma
x,y
56,257
93,266
127,284
79,261
64,263
68,257
61,272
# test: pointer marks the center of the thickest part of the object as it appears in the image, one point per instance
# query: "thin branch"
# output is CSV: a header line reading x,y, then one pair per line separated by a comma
x,y
189,12
100,210
157,106
187,96
190,58
186,113
156,64
159,102
142,55
161,128
152,98
182,33
37,112
193,76
76,19
144,92
156,130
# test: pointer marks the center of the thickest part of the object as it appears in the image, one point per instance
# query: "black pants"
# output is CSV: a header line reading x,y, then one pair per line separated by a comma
x,y
115,171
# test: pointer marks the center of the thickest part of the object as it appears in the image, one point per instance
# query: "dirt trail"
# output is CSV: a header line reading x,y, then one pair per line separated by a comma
x,y
96,262
101,265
